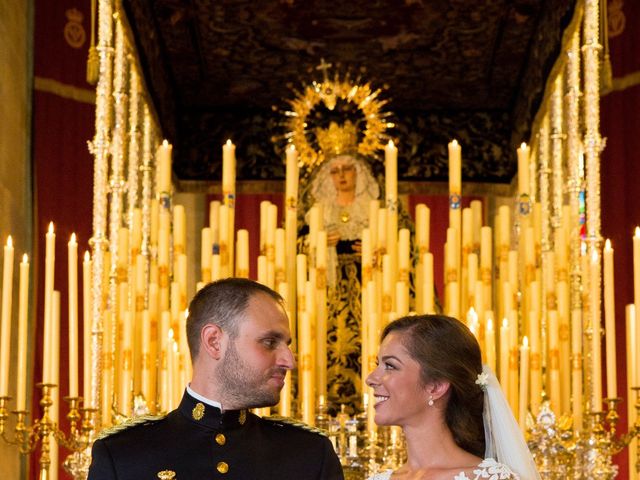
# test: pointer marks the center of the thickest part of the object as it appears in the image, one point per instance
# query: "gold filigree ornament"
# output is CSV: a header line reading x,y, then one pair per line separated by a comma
x,y
167,475
337,116
198,411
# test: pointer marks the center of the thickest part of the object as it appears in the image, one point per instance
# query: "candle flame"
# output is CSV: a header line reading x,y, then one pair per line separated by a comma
x,y
170,335
73,238
9,242
229,142
175,347
87,256
607,244
505,323
50,227
25,258
165,143
525,342
489,324
291,147
391,144
454,142
595,257
523,146
638,232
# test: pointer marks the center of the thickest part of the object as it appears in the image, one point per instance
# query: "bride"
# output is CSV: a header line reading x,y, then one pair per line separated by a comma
x,y
456,421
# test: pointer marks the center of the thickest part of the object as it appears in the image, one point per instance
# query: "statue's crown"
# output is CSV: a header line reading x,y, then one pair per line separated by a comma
x,y
338,139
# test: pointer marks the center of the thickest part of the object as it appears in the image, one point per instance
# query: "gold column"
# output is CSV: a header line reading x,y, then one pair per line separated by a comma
x,y
557,149
117,182
100,149
592,145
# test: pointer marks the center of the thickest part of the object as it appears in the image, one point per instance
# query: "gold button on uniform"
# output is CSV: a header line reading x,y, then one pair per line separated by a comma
x,y
221,439
223,467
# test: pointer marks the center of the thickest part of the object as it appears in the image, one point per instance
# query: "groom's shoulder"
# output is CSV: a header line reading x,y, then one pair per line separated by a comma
x,y
291,426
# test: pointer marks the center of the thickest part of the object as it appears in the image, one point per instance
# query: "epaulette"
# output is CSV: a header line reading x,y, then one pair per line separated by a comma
x,y
296,423
128,423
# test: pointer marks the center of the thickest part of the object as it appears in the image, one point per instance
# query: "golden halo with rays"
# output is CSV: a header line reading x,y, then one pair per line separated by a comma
x,y
341,99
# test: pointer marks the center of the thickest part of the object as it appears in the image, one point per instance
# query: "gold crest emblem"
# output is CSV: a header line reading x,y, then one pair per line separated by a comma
x,y
167,475
198,411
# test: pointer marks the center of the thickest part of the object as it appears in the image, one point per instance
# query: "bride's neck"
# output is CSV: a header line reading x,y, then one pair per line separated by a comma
x,y
430,446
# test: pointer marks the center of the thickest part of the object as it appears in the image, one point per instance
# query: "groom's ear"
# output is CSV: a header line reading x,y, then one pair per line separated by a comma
x,y
438,389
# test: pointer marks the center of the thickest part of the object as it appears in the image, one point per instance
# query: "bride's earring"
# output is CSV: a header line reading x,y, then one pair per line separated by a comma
x,y
430,402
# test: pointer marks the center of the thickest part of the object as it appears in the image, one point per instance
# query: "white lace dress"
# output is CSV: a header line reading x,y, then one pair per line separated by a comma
x,y
488,469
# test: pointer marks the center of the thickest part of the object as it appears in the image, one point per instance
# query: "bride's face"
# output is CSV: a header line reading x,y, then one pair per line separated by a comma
x,y
398,390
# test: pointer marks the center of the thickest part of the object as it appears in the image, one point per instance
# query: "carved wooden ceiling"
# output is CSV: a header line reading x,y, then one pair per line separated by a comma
x,y
465,68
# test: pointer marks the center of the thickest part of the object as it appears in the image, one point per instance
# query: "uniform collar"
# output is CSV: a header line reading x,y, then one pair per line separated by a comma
x,y
202,398
210,416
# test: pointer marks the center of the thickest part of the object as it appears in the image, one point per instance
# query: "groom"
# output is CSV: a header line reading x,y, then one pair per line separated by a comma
x,y
239,338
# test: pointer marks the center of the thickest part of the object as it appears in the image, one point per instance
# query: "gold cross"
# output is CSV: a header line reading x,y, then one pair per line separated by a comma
x,y
324,66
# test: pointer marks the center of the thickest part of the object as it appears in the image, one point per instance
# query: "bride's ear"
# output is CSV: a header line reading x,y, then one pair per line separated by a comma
x,y
439,389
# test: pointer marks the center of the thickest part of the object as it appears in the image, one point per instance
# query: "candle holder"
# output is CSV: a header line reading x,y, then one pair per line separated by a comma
x,y
560,452
27,437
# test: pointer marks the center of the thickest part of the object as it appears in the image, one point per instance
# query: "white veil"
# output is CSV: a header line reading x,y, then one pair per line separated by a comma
x,y
504,440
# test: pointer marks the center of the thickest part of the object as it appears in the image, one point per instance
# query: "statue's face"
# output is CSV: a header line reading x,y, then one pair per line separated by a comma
x,y
343,173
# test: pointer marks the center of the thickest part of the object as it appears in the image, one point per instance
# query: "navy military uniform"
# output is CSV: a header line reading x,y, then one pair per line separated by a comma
x,y
198,441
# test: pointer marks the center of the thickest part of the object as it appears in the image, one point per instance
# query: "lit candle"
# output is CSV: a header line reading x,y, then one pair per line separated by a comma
x,y
163,159
391,174
23,307
72,249
292,177
86,330
5,332
228,166
455,170
610,321
50,256
523,169
524,383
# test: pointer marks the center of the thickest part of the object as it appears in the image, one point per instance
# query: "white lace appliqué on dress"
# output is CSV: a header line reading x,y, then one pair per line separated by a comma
x,y
488,469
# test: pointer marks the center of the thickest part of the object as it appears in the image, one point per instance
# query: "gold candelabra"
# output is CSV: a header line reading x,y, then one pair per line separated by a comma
x,y
44,429
562,452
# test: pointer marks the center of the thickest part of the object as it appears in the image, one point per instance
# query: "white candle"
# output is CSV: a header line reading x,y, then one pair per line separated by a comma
x,y
23,308
50,256
228,167
5,332
610,321
523,169
87,327
455,171
163,159
72,249
524,383
391,174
